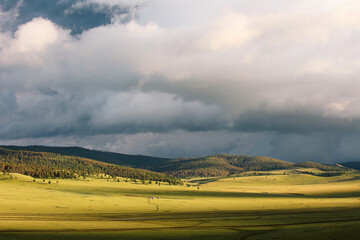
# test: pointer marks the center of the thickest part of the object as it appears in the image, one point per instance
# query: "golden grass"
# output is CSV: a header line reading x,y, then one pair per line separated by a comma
x,y
237,206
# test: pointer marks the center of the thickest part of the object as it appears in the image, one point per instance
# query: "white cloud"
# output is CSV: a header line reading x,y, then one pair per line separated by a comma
x,y
338,107
317,66
330,66
36,35
31,42
228,31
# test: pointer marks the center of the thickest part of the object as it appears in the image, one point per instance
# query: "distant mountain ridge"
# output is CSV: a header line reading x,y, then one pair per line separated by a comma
x,y
351,164
215,165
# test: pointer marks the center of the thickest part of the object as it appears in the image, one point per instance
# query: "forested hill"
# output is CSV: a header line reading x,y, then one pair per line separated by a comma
x,y
221,165
216,165
53,165
135,161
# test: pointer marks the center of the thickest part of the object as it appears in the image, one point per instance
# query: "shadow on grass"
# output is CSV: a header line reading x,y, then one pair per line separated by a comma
x,y
191,192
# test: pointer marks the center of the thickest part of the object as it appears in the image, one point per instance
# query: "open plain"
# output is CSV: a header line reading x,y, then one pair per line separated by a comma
x,y
252,205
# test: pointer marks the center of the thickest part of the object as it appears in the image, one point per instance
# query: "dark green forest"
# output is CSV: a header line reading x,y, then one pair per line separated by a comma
x,y
53,165
134,161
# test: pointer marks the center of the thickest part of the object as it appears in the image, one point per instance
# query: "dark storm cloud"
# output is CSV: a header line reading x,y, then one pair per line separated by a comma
x,y
54,114
294,122
7,104
48,91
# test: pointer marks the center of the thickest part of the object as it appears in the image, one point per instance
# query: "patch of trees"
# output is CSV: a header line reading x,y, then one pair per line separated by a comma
x,y
203,172
324,174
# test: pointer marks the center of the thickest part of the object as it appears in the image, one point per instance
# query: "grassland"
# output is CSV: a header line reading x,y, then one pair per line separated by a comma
x,y
268,205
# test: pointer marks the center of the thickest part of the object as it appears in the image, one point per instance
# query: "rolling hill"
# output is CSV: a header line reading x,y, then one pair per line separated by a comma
x,y
53,165
135,161
216,165
320,166
223,165
220,165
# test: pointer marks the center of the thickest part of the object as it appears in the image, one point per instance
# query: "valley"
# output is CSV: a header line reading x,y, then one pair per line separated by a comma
x,y
273,204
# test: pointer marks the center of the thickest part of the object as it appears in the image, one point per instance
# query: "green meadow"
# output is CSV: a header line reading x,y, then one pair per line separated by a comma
x,y
252,205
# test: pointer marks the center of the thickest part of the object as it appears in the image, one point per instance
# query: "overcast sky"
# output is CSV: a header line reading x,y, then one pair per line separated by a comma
x,y
183,78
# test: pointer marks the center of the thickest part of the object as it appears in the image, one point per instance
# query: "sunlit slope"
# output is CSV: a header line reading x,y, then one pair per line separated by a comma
x,y
96,195
286,182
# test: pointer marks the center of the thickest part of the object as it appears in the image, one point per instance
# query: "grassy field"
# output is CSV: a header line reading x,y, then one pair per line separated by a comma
x,y
268,205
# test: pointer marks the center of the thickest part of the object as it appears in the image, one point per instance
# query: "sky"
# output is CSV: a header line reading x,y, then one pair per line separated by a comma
x,y
183,78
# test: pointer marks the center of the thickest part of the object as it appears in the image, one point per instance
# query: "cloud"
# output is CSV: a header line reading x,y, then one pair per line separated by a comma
x,y
284,73
171,144
52,114
36,35
329,65
228,32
